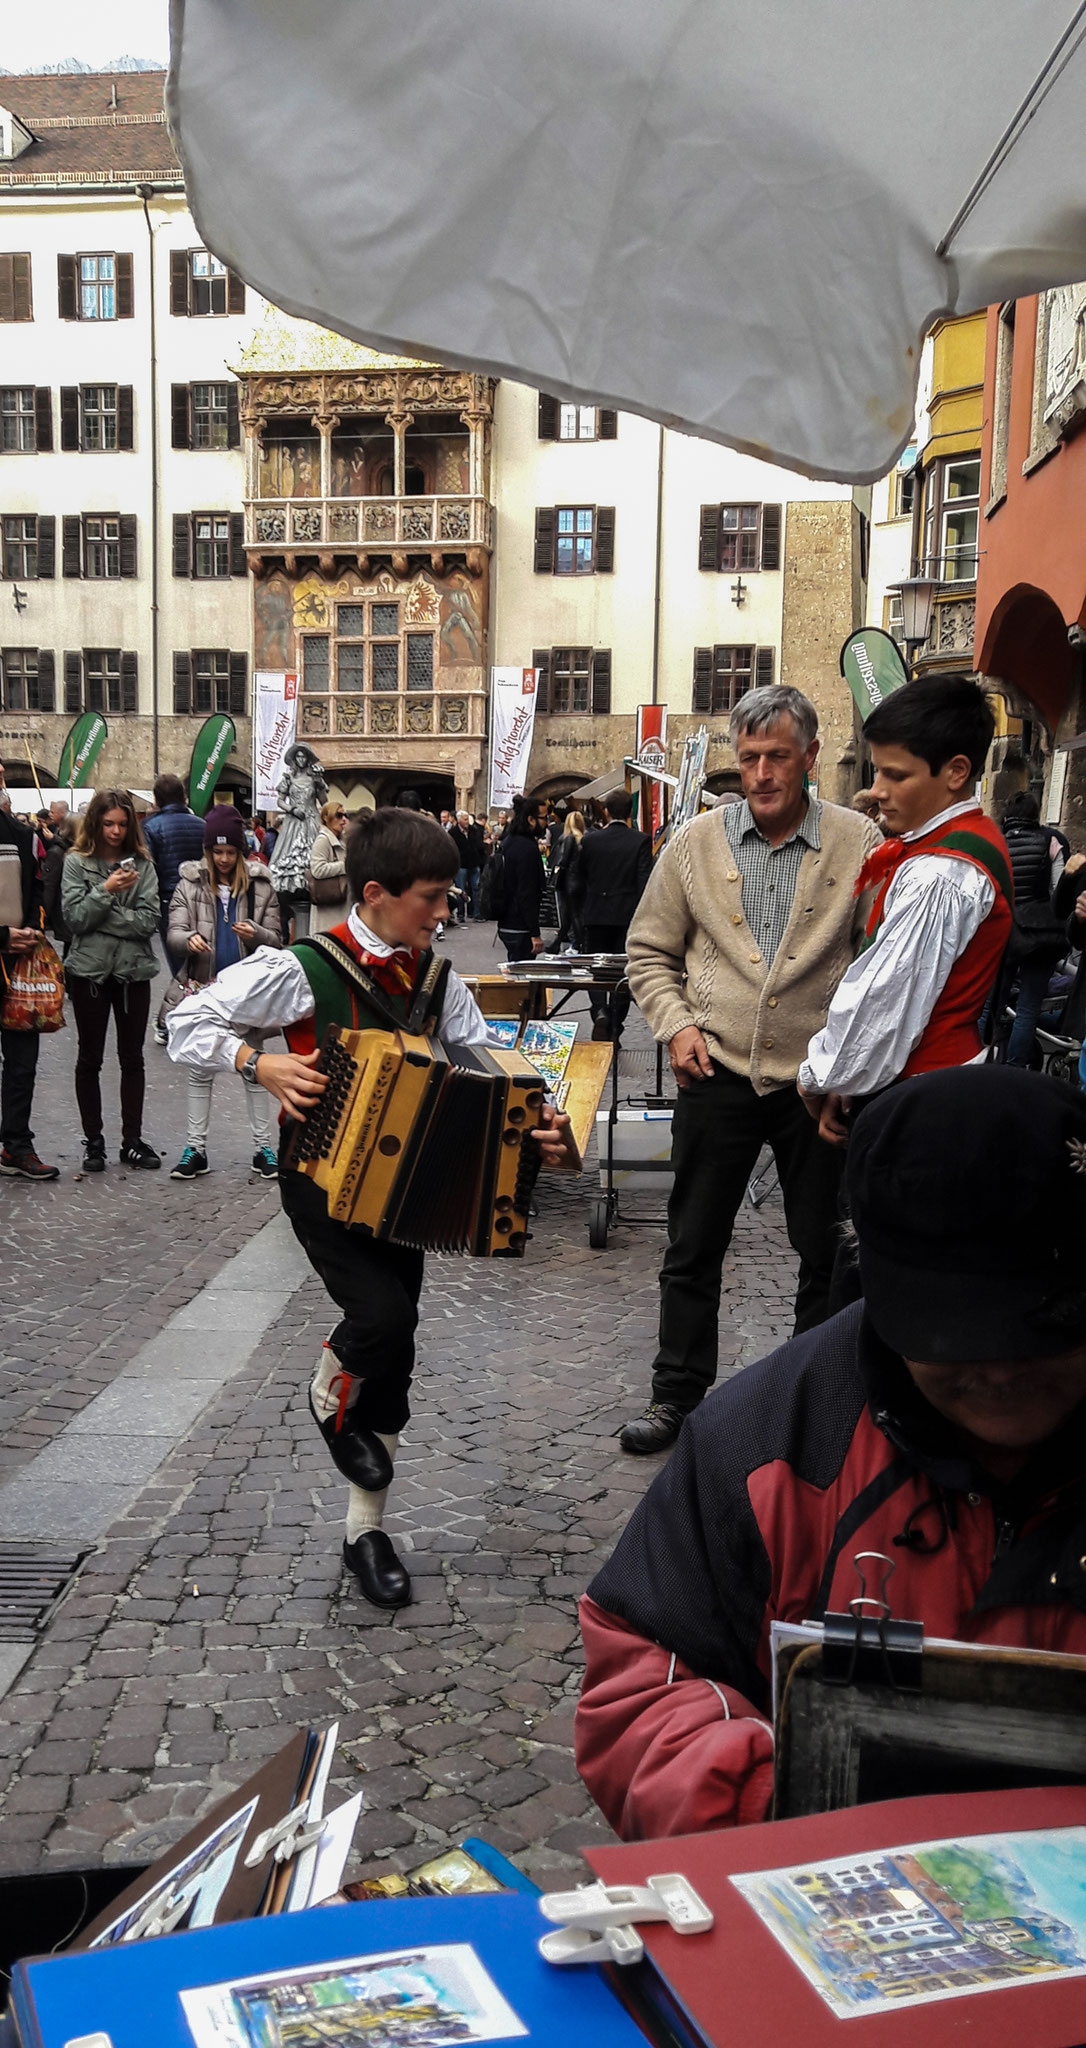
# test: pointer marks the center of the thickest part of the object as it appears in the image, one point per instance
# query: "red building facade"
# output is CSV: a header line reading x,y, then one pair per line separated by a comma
x,y
1031,577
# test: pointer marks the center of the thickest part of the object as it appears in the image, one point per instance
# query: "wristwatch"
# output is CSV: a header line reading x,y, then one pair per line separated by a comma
x,y
248,1071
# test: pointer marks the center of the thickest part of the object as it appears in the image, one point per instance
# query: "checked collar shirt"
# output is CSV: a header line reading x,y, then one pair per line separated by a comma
x,y
769,872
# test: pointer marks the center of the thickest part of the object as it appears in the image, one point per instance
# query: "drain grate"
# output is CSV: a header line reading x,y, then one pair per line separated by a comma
x,y
33,1577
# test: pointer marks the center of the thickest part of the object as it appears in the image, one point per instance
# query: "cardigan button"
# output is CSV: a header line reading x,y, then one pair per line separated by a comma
x,y
974,1500
772,1003
830,880
733,874
737,917
768,1043
754,959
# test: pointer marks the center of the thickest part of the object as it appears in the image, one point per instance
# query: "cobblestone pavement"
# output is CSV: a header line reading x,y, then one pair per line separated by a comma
x,y
217,1616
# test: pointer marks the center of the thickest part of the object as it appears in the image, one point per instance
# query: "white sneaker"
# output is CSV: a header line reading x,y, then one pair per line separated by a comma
x,y
162,1036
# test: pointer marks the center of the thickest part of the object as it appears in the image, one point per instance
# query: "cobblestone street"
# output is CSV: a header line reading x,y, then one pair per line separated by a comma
x,y
212,1614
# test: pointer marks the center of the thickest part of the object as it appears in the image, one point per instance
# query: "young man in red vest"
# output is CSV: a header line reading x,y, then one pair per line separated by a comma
x,y
399,867
941,913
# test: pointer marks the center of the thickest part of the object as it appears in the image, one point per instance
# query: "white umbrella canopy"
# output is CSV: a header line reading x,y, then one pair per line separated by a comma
x,y
738,219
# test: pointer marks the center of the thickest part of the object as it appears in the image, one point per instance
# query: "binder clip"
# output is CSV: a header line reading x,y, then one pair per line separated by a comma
x,y
861,1648
160,1915
596,1921
287,1838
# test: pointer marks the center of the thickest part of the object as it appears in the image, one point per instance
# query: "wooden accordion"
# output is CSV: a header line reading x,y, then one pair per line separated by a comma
x,y
411,1144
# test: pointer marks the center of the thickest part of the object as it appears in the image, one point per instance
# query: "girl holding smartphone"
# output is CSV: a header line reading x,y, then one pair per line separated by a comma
x,y
109,902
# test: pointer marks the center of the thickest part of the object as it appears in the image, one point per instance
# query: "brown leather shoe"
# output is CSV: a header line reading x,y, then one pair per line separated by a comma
x,y
655,1430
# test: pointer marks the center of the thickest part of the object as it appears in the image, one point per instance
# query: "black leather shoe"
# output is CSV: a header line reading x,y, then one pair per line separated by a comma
x,y
382,1577
655,1430
354,1451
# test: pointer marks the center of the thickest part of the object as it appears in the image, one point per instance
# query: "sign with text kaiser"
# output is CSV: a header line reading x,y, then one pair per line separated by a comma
x,y
512,722
275,716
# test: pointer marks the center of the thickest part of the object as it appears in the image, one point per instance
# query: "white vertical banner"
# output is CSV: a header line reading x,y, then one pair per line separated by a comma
x,y
275,717
512,722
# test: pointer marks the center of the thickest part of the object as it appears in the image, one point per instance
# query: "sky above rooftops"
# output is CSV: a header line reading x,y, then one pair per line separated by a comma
x,y
96,34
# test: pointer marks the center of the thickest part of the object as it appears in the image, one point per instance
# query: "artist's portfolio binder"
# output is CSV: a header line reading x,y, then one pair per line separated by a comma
x,y
411,1971
926,1923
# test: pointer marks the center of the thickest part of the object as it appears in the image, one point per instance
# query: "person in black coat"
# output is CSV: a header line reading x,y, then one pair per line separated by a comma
x,y
19,1049
613,868
518,925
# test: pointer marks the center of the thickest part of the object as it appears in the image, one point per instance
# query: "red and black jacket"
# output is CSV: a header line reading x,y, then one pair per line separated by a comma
x,y
778,1479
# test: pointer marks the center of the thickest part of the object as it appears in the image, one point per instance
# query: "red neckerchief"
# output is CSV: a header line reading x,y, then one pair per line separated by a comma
x,y
395,974
881,866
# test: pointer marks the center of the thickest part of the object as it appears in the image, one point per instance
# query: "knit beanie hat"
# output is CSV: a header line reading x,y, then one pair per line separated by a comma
x,y
224,826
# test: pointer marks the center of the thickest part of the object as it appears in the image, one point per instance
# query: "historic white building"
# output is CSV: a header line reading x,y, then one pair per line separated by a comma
x,y
191,483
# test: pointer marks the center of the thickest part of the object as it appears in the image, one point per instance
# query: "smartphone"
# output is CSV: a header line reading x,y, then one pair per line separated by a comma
x,y
128,864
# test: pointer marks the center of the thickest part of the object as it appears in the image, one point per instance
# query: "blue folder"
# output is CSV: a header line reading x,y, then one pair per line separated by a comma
x,y
131,1992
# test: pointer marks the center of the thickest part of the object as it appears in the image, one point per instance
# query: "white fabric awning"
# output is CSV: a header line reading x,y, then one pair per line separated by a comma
x,y
737,219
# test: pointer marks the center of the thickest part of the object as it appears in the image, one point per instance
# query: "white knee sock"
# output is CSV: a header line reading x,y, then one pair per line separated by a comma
x,y
367,1510
330,1384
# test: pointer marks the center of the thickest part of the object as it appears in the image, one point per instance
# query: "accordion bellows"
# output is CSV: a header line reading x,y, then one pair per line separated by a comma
x,y
421,1148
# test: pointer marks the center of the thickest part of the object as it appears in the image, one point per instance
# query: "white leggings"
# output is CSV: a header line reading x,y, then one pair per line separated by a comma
x,y
257,1101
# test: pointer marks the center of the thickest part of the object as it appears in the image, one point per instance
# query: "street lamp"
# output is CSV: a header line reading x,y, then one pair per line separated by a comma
x,y
917,594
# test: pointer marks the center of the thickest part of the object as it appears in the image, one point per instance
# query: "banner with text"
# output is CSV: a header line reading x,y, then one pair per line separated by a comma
x,y
275,716
81,750
212,745
650,747
512,722
873,667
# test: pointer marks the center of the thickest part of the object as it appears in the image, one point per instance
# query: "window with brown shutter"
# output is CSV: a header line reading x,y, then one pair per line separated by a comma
x,y
239,683
15,298
210,544
233,417
739,539
47,684
101,546
764,667
73,682
69,417
43,419
125,417
544,540
182,545
608,424
239,560
21,547
18,415
130,682
605,538
235,292
182,683
571,679
721,676
601,681
180,415
71,546
67,299
575,540
577,422
125,293
548,417
541,662
47,546
20,679
127,525
179,282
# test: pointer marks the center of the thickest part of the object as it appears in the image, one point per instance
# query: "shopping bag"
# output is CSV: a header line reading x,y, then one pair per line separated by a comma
x,y
33,992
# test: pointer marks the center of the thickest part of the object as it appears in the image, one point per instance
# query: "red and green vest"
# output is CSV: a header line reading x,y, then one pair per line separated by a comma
x,y
951,1037
337,1002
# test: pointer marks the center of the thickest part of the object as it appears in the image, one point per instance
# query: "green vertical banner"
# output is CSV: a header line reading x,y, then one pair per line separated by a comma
x,y
873,667
210,749
81,750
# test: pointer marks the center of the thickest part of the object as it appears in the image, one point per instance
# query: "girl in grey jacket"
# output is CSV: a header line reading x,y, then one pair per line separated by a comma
x,y
220,912
109,902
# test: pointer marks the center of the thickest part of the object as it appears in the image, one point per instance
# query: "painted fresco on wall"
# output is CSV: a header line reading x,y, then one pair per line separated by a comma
x,y
271,624
290,469
460,637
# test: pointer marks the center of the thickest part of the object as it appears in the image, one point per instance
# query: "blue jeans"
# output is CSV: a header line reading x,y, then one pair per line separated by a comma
x,y
1033,979
467,879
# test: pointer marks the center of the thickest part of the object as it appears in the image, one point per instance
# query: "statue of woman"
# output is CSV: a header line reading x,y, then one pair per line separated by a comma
x,y
301,792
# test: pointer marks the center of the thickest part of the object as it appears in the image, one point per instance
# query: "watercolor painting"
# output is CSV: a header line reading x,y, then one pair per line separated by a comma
x,y
933,1920
421,1998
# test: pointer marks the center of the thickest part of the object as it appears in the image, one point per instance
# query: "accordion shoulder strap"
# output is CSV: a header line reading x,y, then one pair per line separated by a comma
x,y
427,995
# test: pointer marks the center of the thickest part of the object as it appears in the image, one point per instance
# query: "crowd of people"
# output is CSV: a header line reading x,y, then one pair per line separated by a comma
x,y
859,988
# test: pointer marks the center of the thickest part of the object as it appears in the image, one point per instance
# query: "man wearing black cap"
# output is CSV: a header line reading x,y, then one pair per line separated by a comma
x,y
942,1421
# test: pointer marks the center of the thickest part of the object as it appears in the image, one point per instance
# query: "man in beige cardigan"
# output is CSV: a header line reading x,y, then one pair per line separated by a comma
x,y
746,927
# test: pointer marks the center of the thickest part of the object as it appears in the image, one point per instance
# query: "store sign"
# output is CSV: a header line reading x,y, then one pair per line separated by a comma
x,y
275,718
512,724
651,749
872,666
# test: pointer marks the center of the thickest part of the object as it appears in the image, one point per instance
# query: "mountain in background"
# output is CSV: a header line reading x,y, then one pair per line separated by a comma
x,y
77,64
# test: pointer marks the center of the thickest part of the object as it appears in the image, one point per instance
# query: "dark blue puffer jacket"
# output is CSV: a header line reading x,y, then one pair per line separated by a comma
x,y
174,834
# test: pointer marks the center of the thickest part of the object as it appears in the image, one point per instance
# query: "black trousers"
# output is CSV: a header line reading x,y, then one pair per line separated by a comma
x,y
376,1287
608,938
718,1130
19,1054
